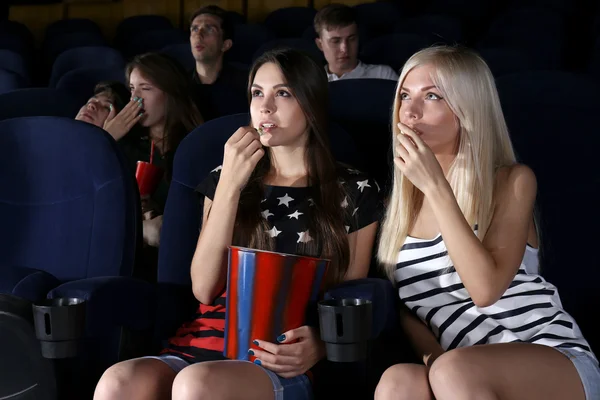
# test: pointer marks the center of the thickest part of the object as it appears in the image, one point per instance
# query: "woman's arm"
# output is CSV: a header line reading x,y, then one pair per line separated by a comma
x,y
209,264
361,247
487,268
423,341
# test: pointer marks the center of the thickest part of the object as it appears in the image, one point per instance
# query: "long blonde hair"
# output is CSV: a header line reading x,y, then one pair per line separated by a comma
x,y
468,87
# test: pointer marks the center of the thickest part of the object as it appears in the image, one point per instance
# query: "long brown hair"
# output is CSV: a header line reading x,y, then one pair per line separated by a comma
x,y
308,83
181,114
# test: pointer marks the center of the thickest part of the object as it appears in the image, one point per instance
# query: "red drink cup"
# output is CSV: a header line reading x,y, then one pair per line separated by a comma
x,y
148,177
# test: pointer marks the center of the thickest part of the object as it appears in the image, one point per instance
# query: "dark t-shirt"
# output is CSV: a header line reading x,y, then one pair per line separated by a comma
x,y
231,83
285,208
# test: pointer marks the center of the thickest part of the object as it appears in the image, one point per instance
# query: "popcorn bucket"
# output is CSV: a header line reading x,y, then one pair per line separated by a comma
x,y
268,294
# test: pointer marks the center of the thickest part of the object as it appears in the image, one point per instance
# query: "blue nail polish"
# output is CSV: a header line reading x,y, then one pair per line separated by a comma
x,y
257,362
136,98
255,342
251,352
281,338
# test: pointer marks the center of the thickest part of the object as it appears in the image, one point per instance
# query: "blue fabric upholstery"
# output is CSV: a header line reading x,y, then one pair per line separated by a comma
x,y
86,57
26,283
568,184
67,200
80,82
9,81
55,45
153,40
71,26
15,63
182,53
247,38
38,102
309,47
405,45
290,21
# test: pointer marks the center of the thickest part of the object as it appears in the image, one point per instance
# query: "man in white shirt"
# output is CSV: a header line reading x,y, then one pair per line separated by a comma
x,y
337,32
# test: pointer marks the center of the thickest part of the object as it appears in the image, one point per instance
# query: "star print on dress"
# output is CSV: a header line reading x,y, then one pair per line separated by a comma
x,y
303,237
363,184
295,215
274,232
311,202
345,202
263,200
378,188
355,210
220,167
347,228
285,200
354,171
266,214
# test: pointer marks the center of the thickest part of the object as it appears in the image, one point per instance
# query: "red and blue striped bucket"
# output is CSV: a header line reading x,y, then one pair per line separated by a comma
x,y
267,294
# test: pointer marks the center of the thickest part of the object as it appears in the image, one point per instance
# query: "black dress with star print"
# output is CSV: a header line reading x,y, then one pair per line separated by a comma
x,y
285,209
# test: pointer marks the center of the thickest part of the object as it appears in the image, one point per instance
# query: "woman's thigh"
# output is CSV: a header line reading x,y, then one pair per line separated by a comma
x,y
141,378
221,380
506,371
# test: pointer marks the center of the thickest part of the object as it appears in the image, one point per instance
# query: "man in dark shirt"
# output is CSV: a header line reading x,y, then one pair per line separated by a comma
x,y
211,36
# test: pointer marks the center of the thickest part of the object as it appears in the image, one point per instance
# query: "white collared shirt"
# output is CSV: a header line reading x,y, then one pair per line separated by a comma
x,y
365,71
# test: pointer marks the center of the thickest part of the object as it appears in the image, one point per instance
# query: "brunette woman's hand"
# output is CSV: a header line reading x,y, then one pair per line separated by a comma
x,y
298,351
417,162
243,150
118,125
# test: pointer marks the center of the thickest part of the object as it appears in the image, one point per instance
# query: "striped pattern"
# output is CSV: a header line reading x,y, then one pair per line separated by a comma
x,y
529,311
268,294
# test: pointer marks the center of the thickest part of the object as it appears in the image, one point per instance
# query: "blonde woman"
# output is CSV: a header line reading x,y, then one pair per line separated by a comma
x,y
456,239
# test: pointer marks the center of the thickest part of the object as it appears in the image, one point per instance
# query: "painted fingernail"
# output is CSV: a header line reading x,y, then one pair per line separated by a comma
x,y
257,362
281,338
140,100
110,107
136,98
140,114
255,342
251,352
139,104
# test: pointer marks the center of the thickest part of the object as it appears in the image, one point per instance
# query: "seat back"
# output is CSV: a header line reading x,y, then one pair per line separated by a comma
x,y
38,102
369,126
85,57
67,199
290,21
80,83
558,140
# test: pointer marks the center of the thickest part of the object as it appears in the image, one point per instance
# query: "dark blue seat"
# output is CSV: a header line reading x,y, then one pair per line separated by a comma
x,y
557,139
80,82
182,53
247,38
15,63
153,40
73,26
85,57
17,37
73,225
38,102
132,26
57,44
377,18
369,125
394,49
438,28
9,81
309,47
290,22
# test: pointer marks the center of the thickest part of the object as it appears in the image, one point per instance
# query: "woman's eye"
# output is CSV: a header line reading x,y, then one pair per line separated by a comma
x,y
256,93
403,96
283,93
432,96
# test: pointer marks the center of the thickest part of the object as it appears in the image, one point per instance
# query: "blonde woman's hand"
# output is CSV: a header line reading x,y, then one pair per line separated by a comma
x,y
243,150
417,162
118,125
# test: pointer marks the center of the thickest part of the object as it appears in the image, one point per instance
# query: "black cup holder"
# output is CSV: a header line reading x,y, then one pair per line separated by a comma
x,y
345,326
59,324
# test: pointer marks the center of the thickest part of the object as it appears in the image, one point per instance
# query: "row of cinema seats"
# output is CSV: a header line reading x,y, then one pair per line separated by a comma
x,y
512,37
51,207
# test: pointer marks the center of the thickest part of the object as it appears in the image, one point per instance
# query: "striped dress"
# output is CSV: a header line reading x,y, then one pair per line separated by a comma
x,y
529,311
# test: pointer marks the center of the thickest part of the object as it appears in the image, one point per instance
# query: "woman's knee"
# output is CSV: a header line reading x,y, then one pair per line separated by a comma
x,y
196,382
133,379
454,375
403,381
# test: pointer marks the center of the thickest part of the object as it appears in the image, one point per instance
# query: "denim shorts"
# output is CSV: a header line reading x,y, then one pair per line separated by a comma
x,y
296,388
588,370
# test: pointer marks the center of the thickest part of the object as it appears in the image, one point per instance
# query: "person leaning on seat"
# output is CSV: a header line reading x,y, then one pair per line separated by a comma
x,y
337,30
